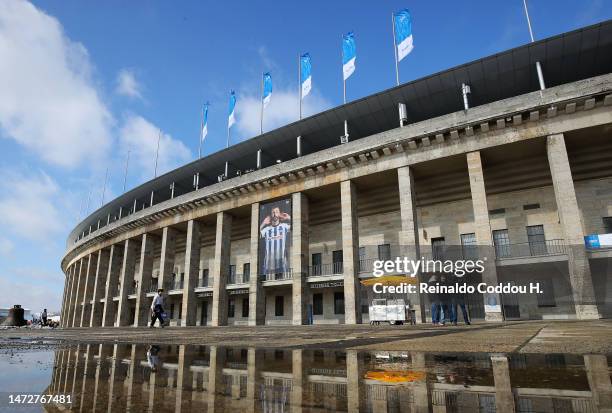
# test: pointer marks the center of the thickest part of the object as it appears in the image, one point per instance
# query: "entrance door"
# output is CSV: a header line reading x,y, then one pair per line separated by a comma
x,y
510,304
204,315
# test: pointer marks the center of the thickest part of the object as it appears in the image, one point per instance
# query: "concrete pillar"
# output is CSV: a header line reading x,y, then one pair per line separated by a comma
x,y
75,373
569,216
596,366
420,390
168,252
350,252
101,379
64,295
504,399
112,279
299,258
353,375
85,395
90,278
484,236
409,232
66,304
215,379
132,397
254,365
192,271
299,376
145,276
183,378
76,300
257,312
130,250
97,308
220,268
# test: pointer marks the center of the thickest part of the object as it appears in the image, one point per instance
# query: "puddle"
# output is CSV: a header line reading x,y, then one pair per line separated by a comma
x,y
140,378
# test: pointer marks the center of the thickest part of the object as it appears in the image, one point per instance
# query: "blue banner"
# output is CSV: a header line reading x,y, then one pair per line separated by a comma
x,y
267,89
204,121
402,23
349,53
305,74
232,107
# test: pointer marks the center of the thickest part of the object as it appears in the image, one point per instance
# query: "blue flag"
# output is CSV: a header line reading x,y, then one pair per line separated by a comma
x,y
232,107
403,33
348,54
267,89
305,74
205,122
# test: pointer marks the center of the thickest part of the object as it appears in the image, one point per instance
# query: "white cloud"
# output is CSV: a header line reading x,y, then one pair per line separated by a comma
x,y
140,137
6,247
29,206
127,85
31,293
283,109
48,100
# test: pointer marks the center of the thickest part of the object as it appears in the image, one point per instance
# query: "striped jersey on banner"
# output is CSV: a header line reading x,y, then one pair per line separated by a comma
x,y
276,243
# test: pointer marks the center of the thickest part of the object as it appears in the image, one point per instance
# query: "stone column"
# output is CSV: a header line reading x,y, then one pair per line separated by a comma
x,y
66,307
64,295
112,279
133,398
127,281
254,363
145,272
257,312
409,232
183,375
350,252
484,236
220,268
215,378
192,271
85,395
420,390
299,258
97,308
504,398
168,252
596,366
76,301
299,378
353,375
90,277
569,216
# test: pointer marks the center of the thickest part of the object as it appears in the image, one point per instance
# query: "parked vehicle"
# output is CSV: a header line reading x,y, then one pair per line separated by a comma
x,y
391,311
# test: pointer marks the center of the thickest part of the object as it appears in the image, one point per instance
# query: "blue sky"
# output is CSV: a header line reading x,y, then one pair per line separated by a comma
x,y
87,81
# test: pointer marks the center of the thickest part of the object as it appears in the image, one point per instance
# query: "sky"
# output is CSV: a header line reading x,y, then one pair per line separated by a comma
x,y
83,83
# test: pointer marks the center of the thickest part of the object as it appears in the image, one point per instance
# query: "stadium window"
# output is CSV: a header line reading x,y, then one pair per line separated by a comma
x,y
279,306
339,302
437,248
317,304
501,241
245,307
537,239
316,263
547,297
607,221
468,246
231,308
246,272
337,258
384,252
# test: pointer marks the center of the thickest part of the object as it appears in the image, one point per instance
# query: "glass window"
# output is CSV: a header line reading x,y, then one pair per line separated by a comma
x,y
317,304
607,221
339,302
246,272
337,261
501,241
537,239
437,248
231,307
205,278
316,263
245,307
362,259
468,246
232,275
279,306
384,252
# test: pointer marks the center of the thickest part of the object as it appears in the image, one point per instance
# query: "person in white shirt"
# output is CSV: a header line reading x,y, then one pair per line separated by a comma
x,y
157,308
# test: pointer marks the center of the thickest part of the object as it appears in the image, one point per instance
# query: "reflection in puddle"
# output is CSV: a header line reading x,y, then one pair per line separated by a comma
x,y
209,378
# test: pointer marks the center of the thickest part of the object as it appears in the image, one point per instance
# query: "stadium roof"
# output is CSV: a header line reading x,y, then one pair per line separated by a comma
x,y
565,58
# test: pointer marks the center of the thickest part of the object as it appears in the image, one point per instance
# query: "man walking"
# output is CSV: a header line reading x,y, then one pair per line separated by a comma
x,y
43,316
157,309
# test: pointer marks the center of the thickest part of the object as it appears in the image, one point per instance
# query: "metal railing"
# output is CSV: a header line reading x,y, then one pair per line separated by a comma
x,y
205,282
279,276
238,279
153,286
175,285
335,268
531,249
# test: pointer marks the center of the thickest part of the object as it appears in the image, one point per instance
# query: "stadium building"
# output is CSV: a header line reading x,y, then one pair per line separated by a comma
x,y
282,228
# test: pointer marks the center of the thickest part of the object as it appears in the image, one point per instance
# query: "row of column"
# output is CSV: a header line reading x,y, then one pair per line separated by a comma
x,y
97,275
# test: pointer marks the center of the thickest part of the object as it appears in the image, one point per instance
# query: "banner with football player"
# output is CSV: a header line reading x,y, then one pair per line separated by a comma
x,y
275,239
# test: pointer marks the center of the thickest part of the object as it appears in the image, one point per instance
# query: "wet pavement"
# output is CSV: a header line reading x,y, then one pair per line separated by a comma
x,y
168,377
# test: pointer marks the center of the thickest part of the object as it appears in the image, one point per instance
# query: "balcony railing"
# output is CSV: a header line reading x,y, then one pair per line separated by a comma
x,y
205,282
238,279
176,285
279,276
152,288
531,249
335,268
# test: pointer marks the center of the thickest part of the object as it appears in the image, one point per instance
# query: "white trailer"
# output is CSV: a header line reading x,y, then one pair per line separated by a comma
x,y
390,311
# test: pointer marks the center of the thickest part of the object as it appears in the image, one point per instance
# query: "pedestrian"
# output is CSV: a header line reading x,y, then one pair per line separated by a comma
x,y
458,299
43,316
157,308
434,298
153,357
445,302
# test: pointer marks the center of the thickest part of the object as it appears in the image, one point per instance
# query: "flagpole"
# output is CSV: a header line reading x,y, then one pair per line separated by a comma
x,y
228,135
104,187
127,162
201,133
300,83
395,50
538,65
343,79
157,153
262,105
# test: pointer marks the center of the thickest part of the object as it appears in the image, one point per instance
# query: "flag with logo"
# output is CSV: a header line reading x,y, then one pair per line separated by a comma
x,y
403,33
232,108
305,74
348,54
204,121
267,89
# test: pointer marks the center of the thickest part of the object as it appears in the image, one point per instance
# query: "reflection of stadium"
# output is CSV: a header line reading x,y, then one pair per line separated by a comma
x,y
524,175
119,378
